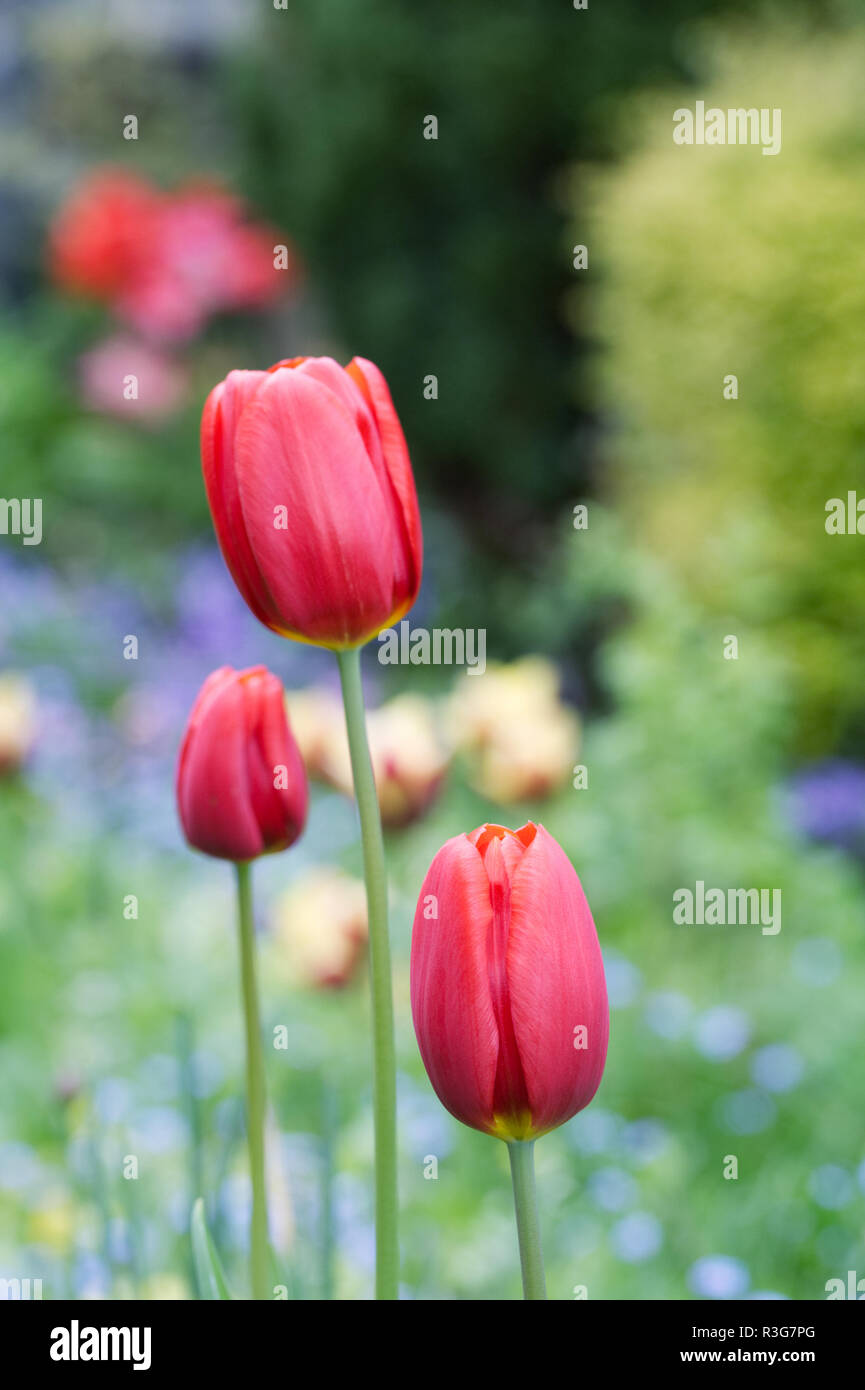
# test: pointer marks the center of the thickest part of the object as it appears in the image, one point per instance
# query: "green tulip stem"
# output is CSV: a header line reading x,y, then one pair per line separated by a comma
x,y
522,1156
255,1091
383,1052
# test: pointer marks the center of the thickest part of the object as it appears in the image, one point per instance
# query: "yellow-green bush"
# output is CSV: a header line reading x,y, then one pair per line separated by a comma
x,y
717,260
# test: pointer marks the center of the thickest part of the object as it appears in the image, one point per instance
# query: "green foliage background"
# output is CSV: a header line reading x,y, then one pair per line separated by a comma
x,y
718,260
706,518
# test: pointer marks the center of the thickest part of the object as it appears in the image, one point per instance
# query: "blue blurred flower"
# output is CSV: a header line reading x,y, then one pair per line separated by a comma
x,y
234,1206
21,1168
159,1076
719,1276
637,1237
612,1189
425,1128
160,1129
831,1186
92,1277
623,980
777,1067
668,1014
595,1131
354,1221
747,1112
722,1032
112,1098
119,1241
645,1140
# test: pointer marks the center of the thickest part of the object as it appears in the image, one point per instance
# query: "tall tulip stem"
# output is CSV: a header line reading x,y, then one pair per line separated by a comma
x,y
255,1091
384,1060
522,1156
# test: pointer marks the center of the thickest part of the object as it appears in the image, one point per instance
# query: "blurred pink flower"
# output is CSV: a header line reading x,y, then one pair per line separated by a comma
x,y
124,377
166,261
204,258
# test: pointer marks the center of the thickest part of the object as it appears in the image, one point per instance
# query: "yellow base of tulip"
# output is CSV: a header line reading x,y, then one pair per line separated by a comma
x,y
511,1127
347,645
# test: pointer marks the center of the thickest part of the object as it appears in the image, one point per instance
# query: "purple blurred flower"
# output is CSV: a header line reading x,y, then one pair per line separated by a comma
x,y
109,728
826,802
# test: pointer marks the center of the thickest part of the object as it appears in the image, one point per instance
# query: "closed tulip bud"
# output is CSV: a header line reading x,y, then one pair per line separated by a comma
x,y
241,784
313,500
507,983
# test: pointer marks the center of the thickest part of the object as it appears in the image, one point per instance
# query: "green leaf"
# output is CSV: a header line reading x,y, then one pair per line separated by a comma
x,y
208,1266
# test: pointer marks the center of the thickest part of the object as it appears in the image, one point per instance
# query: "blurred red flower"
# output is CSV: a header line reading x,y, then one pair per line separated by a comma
x,y
165,262
102,233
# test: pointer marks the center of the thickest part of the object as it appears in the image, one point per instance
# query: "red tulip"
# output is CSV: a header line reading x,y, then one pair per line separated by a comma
x,y
312,496
507,983
241,784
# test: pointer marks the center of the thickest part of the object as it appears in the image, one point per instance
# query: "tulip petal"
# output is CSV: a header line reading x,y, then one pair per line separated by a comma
x,y
553,938
330,568
510,1098
355,400
222,411
279,811
451,1001
398,464
213,779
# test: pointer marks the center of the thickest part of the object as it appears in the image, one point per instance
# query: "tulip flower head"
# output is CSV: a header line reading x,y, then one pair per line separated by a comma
x,y
313,500
241,784
508,992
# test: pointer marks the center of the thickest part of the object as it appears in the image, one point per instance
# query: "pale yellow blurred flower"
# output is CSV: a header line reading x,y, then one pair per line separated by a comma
x,y
17,721
52,1223
320,929
519,738
318,724
166,1288
408,755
